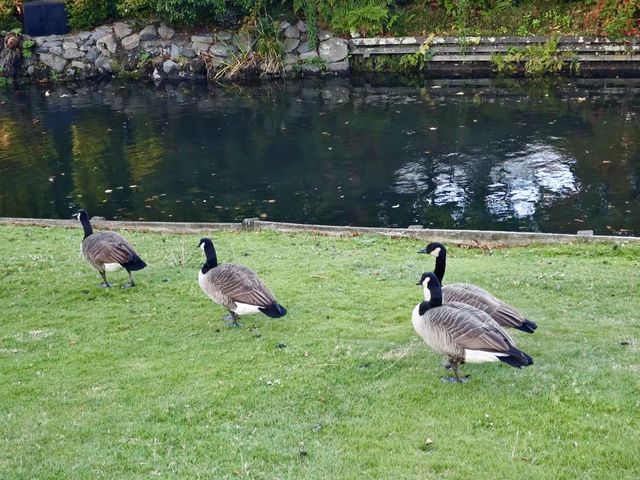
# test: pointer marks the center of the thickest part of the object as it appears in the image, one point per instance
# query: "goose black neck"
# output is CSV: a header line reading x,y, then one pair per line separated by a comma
x,y
212,258
429,304
86,225
441,264
434,294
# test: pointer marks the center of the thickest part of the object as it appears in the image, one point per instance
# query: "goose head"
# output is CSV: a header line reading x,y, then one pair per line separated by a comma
x,y
434,249
205,244
431,286
81,214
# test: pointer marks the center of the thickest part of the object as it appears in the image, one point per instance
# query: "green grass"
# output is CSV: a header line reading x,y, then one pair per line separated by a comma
x,y
150,382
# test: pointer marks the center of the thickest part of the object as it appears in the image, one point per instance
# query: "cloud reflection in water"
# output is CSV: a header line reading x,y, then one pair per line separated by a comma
x,y
518,183
538,175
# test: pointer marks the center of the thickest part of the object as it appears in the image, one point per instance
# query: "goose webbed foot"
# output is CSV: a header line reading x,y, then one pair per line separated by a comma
x,y
105,285
232,320
455,364
464,379
130,283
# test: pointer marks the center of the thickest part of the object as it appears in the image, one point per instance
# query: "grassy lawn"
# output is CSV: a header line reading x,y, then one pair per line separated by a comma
x,y
149,382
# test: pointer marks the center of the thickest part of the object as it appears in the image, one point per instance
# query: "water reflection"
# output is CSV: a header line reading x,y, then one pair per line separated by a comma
x,y
531,179
471,154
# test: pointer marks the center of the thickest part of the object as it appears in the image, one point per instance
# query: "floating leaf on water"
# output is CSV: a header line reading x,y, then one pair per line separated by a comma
x,y
108,190
263,216
395,206
271,200
460,93
133,186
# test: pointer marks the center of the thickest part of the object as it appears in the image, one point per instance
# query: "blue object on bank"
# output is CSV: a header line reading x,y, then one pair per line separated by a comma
x,y
44,17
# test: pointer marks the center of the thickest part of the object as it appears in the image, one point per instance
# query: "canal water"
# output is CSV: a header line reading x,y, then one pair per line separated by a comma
x,y
551,156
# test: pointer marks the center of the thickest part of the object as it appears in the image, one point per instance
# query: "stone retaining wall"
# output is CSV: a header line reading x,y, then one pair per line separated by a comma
x,y
473,238
159,52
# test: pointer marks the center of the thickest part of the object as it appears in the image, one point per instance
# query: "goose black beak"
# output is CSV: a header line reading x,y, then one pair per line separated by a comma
x,y
424,250
419,283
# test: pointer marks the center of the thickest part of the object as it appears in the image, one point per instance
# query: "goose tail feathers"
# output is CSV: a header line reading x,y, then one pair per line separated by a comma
x,y
136,263
274,311
507,317
527,326
516,358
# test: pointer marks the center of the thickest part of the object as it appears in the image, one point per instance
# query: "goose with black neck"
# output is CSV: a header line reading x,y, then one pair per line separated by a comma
x,y
477,297
108,252
462,333
235,287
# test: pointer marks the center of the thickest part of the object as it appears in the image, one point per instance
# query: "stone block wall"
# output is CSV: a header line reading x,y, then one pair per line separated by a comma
x,y
159,53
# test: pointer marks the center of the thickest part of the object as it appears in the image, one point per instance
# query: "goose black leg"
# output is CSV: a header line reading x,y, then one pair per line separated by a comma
x,y
233,319
104,283
130,283
454,364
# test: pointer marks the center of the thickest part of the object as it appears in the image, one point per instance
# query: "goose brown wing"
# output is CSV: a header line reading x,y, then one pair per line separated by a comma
x,y
481,299
240,284
462,327
108,247
482,317
471,295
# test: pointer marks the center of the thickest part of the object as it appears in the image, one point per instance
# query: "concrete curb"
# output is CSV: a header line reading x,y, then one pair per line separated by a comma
x,y
475,238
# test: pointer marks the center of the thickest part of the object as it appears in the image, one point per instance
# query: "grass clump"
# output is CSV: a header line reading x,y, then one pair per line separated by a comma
x,y
149,382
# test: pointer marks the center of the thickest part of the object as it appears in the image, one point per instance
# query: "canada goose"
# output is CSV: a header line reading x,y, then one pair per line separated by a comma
x,y
460,332
235,287
108,251
475,296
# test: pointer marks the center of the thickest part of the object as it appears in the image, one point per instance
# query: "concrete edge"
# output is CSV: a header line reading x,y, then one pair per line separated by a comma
x,y
472,238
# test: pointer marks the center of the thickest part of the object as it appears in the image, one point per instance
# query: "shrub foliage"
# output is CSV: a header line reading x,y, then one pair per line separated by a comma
x,y
368,17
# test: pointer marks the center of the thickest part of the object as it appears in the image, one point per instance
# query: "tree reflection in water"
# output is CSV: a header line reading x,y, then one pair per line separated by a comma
x,y
555,157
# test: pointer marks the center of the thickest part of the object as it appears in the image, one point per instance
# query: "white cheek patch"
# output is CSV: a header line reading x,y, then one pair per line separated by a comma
x,y
435,252
78,216
427,293
202,246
